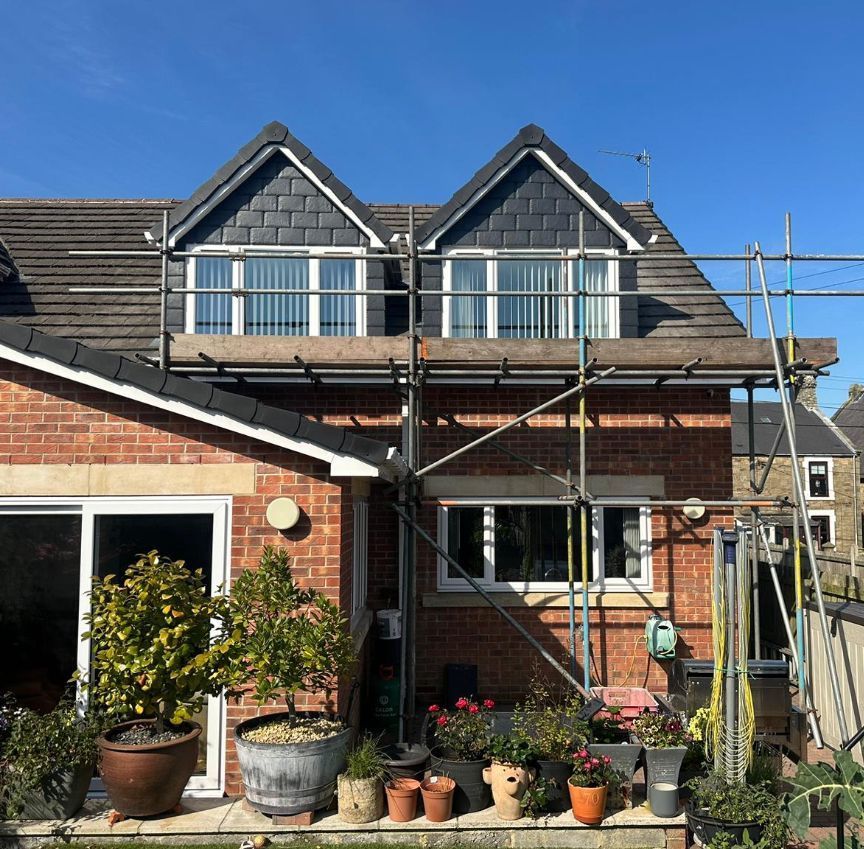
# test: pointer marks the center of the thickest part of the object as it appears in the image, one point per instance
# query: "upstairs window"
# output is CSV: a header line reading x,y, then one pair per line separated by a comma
x,y
524,548
546,316
819,478
262,314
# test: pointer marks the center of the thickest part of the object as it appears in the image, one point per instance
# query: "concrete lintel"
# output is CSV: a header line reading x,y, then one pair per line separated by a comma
x,y
83,479
527,486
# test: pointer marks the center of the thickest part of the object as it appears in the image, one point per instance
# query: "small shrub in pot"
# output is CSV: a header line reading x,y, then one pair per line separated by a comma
x,y
665,740
360,789
155,658
290,640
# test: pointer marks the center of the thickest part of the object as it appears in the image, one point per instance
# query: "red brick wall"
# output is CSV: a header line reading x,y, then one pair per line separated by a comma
x,y
46,420
680,433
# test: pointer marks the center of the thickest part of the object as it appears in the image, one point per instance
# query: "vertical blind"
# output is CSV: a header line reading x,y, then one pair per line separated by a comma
x,y
598,311
213,312
338,313
529,318
467,314
277,315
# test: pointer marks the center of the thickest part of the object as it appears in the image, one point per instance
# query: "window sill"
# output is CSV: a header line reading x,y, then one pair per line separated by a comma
x,y
633,599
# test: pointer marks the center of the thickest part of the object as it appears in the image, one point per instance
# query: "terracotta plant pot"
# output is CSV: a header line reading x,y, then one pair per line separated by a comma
x,y
402,798
588,803
143,781
509,783
438,797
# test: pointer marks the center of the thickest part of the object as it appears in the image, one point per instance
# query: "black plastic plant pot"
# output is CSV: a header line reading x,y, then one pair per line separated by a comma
x,y
706,828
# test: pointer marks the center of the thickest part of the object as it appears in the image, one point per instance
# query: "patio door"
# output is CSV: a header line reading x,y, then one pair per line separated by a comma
x,y
49,551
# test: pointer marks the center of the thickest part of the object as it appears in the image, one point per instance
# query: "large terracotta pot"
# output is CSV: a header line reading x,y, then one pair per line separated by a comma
x,y
588,803
143,781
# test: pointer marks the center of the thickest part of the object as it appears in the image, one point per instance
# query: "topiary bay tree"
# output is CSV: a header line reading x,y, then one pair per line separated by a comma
x,y
155,649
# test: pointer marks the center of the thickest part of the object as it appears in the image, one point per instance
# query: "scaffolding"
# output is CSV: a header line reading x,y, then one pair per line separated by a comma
x,y
410,373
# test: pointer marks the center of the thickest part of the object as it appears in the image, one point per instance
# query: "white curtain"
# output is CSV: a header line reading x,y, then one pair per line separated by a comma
x,y
212,312
468,314
529,318
277,315
338,314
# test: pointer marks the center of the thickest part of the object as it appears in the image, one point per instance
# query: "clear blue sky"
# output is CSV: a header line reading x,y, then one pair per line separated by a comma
x,y
749,109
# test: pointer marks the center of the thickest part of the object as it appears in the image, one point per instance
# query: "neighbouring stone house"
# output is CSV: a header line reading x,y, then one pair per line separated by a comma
x,y
301,396
850,419
828,463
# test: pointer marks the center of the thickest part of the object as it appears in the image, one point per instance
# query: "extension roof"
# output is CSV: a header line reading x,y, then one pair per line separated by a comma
x,y
272,139
532,139
197,400
815,435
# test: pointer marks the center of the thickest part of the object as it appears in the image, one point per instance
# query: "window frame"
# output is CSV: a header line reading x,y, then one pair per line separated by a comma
x,y
89,508
831,516
238,266
829,465
600,583
572,303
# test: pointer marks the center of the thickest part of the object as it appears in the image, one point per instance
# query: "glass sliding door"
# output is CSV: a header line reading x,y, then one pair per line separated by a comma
x,y
52,548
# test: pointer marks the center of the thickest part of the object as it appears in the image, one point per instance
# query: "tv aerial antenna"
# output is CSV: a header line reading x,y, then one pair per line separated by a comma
x,y
643,158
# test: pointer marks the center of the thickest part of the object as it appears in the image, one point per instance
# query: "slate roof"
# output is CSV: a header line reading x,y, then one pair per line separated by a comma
x,y
850,419
197,393
814,434
274,134
532,136
676,315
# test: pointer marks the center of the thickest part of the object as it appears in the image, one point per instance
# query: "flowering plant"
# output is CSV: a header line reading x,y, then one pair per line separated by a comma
x,y
463,733
660,731
592,770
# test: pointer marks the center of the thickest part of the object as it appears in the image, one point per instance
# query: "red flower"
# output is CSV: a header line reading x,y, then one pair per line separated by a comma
x,y
434,708
488,704
473,709
462,704
442,720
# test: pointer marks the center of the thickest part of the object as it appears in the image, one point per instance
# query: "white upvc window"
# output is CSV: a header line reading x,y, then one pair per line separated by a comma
x,y
54,547
819,477
522,317
360,572
523,548
263,314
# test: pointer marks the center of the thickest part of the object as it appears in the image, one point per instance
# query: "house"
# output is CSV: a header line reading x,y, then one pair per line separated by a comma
x,y
850,419
302,396
828,463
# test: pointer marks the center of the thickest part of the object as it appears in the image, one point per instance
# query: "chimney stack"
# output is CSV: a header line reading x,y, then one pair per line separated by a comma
x,y
856,390
807,392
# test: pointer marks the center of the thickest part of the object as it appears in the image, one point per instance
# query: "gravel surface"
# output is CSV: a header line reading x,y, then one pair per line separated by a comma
x,y
145,735
299,730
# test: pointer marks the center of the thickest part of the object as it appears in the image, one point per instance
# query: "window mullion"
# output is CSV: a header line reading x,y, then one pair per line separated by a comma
x,y
238,306
492,303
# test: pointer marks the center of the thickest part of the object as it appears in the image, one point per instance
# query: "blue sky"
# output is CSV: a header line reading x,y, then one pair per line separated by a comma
x,y
748,109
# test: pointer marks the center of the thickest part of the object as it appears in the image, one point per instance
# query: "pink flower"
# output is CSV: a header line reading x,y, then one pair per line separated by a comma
x,y
462,704
488,704
588,766
607,759
473,709
442,720
595,762
434,708
583,753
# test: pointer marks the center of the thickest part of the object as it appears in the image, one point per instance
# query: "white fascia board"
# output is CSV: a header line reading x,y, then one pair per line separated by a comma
x,y
543,158
340,464
243,174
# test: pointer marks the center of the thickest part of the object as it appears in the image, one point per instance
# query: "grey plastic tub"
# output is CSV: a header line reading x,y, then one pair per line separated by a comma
x,y
290,778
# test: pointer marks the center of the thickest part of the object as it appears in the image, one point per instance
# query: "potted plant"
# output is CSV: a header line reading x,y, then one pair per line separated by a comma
x,y
549,722
695,761
461,740
665,741
592,776
155,658
718,806
438,792
511,773
50,760
612,739
360,789
290,640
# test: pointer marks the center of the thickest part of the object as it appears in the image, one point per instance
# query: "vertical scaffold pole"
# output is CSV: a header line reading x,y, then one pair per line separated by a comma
x,y
754,519
164,338
583,474
748,286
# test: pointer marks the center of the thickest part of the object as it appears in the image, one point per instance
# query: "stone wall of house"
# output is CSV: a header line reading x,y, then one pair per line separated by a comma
x,y
49,422
845,505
